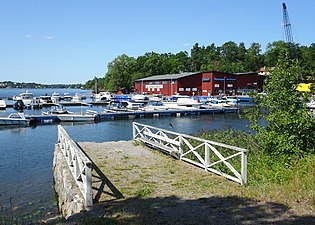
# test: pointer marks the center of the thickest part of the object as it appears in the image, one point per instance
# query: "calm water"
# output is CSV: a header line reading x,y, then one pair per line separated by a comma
x,y
26,153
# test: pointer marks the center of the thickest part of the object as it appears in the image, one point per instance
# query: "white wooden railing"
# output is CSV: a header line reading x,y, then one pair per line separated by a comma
x,y
221,159
79,165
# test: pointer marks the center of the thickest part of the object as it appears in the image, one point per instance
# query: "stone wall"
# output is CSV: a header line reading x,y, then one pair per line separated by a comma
x,y
70,199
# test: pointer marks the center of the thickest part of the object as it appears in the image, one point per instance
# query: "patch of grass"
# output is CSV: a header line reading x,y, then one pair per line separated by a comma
x,y
125,157
143,192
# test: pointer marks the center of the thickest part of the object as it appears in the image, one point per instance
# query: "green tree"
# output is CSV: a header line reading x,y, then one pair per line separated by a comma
x,y
179,62
96,84
253,59
290,129
197,57
119,73
212,58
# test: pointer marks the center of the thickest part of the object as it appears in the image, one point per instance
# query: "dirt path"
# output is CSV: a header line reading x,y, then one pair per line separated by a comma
x,y
158,189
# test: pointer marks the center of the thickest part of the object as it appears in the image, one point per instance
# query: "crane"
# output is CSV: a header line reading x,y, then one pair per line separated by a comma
x,y
287,25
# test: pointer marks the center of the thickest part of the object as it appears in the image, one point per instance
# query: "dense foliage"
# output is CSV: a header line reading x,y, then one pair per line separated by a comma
x,y
230,57
290,129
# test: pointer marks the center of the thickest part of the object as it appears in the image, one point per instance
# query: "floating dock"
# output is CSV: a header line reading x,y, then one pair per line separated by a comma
x,y
130,114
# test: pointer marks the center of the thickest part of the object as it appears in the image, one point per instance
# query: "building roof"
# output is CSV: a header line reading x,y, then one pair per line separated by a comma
x,y
167,76
246,73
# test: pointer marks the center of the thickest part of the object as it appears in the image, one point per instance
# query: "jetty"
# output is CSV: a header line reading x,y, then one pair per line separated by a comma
x,y
132,177
131,114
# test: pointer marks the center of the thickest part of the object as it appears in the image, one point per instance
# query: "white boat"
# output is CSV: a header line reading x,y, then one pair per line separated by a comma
x,y
155,105
231,100
67,97
45,99
183,102
3,104
57,110
131,105
103,96
310,105
55,97
78,97
139,98
76,117
156,97
210,105
14,119
26,97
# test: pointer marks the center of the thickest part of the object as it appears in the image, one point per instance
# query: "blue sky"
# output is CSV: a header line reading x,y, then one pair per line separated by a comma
x,y
71,41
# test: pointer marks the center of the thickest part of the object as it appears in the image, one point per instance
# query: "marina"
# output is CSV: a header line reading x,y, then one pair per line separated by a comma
x,y
106,106
27,180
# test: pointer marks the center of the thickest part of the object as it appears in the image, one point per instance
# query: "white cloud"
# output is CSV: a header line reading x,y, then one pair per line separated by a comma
x,y
186,44
48,37
28,36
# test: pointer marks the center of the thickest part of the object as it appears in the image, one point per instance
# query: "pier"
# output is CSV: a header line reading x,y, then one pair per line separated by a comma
x,y
130,114
95,175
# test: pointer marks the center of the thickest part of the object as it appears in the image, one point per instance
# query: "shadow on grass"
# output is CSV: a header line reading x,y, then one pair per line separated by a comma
x,y
173,210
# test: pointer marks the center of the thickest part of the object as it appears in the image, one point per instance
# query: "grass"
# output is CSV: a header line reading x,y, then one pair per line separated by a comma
x,y
272,178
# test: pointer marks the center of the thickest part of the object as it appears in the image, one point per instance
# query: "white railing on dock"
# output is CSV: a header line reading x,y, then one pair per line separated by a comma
x,y
79,165
221,159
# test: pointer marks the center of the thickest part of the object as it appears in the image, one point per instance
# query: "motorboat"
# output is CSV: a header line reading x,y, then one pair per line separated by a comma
x,y
45,99
182,102
57,109
131,105
76,117
67,97
3,104
55,97
14,119
64,115
26,97
78,97
310,105
103,96
155,105
156,97
139,98
231,100
215,103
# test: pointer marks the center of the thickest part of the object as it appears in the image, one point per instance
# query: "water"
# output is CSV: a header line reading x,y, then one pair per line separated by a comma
x,y
26,153
10,92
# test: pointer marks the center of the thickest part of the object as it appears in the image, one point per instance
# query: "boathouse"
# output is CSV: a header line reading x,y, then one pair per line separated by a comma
x,y
201,83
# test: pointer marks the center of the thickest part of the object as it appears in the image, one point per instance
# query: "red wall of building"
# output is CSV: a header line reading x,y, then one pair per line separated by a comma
x,y
204,84
190,85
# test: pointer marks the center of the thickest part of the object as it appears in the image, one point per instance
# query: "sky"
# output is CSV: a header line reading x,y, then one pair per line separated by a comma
x,y
72,41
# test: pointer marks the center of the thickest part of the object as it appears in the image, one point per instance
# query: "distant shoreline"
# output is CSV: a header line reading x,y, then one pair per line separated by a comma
x,y
19,85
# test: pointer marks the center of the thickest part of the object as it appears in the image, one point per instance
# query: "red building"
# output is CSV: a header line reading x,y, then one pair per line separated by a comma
x,y
200,83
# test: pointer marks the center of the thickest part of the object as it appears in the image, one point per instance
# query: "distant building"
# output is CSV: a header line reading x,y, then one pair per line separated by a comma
x,y
200,83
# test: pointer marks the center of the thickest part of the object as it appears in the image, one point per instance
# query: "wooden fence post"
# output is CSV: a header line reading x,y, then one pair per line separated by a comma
x,y
88,191
207,156
244,168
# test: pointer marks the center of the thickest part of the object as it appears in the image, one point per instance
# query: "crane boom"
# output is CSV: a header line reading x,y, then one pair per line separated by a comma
x,y
287,25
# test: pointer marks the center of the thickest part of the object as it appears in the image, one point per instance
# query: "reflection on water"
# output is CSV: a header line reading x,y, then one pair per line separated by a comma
x,y
26,154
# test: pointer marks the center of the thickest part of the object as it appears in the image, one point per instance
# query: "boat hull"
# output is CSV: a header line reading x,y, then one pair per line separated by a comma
x,y
75,117
8,121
